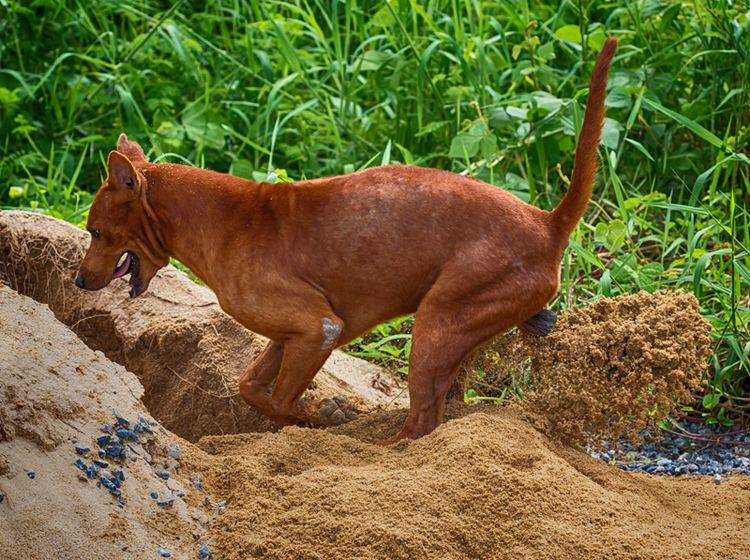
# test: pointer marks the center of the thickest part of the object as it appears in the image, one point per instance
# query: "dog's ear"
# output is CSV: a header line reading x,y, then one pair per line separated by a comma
x,y
132,150
122,174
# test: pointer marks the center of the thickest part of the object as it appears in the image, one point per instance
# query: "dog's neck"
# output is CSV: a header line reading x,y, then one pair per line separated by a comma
x,y
191,208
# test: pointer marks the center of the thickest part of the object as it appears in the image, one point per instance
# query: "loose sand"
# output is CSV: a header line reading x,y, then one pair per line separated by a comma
x,y
486,485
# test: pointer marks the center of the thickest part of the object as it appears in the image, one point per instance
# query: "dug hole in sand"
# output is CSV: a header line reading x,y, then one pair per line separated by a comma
x,y
486,484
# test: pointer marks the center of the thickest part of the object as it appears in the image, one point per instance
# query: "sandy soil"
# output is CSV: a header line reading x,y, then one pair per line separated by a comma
x,y
55,393
485,485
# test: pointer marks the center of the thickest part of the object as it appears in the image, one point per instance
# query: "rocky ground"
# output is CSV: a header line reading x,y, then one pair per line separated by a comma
x,y
689,448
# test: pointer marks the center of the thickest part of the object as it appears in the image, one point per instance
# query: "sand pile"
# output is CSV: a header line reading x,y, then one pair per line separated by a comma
x,y
609,369
55,393
486,485
184,349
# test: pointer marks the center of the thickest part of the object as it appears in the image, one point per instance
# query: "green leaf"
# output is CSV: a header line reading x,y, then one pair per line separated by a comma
x,y
611,133
570,33
466,144
242,168
707,135
710,400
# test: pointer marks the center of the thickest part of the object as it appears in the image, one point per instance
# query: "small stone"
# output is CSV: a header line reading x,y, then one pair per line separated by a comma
x,y
204,552
197,482
163,474
163,553
166,502
717,479
328,407
126,435
2,497
31,474
175,451
154,495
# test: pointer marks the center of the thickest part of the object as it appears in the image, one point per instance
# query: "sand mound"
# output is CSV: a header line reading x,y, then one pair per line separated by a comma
x,y
486,485
55,392
184,349
612,368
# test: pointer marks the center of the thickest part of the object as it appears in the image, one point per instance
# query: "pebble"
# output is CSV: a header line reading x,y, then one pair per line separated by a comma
x,y
2,497
673,454
163,474
154,495
163,553
175,451
204,552
31,474
165,502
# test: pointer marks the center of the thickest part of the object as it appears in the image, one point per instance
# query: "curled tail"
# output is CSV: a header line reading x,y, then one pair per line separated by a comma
x,y
574,203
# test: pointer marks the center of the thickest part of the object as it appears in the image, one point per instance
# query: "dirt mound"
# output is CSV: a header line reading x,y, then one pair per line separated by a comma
x,y
485,485
184,349
56,393
611,368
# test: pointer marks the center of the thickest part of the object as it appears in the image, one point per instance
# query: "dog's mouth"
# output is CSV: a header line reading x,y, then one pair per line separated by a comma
x,y
129,263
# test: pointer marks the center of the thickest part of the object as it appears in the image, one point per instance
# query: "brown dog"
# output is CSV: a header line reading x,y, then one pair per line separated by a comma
x,y
314,264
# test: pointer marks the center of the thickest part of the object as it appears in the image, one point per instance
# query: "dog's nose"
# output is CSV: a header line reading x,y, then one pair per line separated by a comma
x,y
80,281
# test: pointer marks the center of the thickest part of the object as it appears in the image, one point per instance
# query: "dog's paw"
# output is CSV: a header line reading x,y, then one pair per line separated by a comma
x,y
334,411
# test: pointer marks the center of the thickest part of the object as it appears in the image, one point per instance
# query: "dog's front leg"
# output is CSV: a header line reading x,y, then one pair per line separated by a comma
x,y
303,356
256,380
312,330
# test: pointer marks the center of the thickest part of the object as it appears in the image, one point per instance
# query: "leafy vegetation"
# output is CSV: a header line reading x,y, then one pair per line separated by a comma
x,y
303,88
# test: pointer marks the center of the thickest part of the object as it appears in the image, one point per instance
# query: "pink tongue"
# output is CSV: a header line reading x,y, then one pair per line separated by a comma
x,y
123,268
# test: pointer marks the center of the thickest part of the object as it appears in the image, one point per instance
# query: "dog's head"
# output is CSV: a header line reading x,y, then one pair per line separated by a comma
x,y
117,223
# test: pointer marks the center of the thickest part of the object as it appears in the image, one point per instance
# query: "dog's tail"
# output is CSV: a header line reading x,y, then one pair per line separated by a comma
x,y
574,203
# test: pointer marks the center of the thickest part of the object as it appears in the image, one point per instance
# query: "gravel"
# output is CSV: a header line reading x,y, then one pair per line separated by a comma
x,y
691,448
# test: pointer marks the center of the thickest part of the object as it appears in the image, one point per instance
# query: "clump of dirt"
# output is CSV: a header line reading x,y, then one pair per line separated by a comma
x,y
617,366
187,353
484,485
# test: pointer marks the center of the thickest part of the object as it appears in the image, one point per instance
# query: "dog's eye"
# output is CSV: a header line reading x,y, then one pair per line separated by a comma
x,y
95,233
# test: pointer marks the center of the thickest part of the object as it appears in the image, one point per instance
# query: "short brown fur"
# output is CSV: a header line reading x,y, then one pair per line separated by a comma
x,y
314,264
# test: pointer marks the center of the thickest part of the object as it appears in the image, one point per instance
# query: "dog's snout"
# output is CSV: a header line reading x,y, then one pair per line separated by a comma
x,y
80,281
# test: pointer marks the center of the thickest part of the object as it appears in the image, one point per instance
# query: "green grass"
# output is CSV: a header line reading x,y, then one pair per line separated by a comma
x,y
278,89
